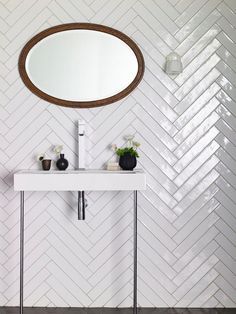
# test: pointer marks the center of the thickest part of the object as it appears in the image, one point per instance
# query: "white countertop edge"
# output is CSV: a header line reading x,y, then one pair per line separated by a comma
x,y
72,180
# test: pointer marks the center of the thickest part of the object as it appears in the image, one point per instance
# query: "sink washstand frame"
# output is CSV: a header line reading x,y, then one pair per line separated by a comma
x,y
135,251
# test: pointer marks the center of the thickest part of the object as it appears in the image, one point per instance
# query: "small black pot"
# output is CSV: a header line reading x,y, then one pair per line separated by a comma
x,y
127,162
62,163
46,164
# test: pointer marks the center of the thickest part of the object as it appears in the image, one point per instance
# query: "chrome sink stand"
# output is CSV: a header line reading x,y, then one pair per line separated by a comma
x,y
135,278
135,260
22,209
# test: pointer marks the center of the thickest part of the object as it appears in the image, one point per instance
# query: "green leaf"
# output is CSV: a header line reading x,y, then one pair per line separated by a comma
x,y
127,150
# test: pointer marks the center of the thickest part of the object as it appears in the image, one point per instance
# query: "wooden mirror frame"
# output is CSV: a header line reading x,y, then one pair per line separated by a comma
x,y
80,104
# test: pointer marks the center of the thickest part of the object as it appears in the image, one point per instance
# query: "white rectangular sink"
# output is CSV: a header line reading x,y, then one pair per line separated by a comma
x,y
79,180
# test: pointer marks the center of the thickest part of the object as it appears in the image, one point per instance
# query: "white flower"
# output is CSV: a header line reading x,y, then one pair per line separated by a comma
x,y
58,149
136,144
114,147
40,157
129,137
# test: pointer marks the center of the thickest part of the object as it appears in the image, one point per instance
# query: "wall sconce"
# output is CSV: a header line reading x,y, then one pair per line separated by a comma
x,y
173,64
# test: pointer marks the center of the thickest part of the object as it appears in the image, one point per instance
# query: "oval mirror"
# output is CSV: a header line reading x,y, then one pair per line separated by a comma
x,y
81,65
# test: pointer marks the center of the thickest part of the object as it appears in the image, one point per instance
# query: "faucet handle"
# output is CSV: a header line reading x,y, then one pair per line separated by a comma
x,y
81,127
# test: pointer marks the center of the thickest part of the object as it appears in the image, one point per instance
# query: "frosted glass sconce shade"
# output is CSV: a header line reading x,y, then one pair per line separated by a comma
x,y
173,64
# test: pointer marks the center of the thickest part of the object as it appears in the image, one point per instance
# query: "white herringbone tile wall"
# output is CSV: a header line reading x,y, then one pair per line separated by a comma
x,y
187,127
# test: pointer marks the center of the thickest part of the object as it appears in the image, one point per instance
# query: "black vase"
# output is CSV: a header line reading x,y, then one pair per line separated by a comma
x,y
62,163
127,162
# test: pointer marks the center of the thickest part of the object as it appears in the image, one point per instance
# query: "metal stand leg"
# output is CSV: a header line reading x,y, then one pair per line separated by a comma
x,y
21,250
135,310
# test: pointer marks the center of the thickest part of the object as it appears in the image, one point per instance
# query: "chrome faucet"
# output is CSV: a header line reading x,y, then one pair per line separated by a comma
x,y
82,202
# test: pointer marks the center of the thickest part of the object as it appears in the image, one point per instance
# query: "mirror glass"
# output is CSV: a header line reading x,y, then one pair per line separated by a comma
x,y
81,67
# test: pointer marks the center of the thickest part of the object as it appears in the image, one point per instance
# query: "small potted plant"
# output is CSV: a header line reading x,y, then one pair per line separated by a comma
x,y
61,163
127,155
46,163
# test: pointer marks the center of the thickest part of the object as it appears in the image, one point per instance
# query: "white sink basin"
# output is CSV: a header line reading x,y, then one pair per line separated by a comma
x,y
79,180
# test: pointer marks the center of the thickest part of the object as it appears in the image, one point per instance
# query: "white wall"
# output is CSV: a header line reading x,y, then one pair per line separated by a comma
x,y
187,127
